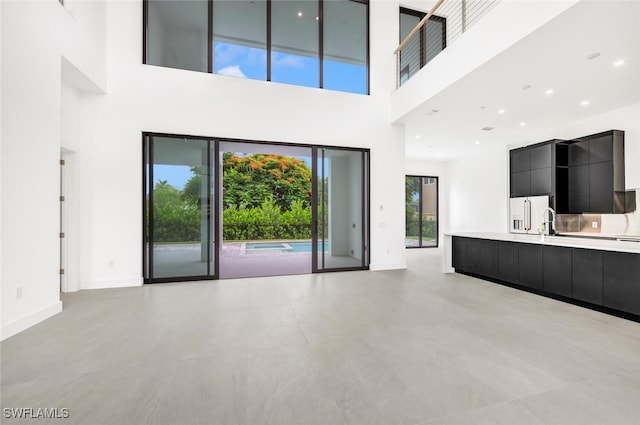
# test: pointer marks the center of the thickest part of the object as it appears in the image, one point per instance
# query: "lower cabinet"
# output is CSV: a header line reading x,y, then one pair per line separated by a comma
x,y
556,270
586,276
605,278
621,285
508,262
530,265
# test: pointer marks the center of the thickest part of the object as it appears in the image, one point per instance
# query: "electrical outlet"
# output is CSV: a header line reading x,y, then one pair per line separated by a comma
x,y
594,224
19,292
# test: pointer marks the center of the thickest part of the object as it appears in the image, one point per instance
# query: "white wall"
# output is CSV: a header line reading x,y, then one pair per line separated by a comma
x,y
35,37
479,192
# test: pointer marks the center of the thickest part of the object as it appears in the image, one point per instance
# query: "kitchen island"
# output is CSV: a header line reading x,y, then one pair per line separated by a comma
x,y
595,273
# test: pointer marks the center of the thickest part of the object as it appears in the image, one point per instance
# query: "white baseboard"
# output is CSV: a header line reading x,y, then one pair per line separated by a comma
x,y
29,320
388,266
112,283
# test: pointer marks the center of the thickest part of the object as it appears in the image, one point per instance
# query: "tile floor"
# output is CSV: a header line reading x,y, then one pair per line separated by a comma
x,y
395,347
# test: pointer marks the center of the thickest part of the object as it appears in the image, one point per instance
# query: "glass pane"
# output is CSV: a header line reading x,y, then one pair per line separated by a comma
x,y
429,211
180,202
177,34
433,38
345,46
340,202
294,43
410,53
239,38
412,211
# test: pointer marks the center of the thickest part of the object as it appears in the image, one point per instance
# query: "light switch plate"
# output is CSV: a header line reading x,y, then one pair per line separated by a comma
x,y
594,224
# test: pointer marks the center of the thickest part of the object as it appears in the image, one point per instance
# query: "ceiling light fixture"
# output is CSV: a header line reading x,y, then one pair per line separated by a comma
x,y
477,142
549,92
501,111
299,13
619,63
526,87
417,136
522,124
593,55
440,155
585,103
317,18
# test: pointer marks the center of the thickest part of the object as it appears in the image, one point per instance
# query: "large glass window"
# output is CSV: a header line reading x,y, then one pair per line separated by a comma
x,y
345,46
313,43
421,211
177,33
294,43
240,39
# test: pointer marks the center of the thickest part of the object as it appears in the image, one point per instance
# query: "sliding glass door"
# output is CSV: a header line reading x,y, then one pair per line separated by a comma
x,y
234,208
421,211
341,209
179,208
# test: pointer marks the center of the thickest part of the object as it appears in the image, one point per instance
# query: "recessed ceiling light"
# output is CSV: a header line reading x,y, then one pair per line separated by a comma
x,y
487,128
317,18
585,103
440,155
593,55
619,63
549,92
526,87
417,136
522,124
501,111
299,13
477,142
483,107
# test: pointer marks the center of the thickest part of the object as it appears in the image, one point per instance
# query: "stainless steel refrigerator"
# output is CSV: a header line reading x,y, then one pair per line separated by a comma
x,y
526,214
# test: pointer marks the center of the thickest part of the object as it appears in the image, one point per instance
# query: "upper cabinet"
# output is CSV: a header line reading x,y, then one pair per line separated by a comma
x,y
532,172
596,174
584,175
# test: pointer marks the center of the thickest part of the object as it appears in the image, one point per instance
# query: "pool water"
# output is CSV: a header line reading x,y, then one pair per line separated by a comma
x,y
306,246
284,246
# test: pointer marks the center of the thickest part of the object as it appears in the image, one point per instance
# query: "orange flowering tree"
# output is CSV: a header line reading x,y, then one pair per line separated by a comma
x,y
249,180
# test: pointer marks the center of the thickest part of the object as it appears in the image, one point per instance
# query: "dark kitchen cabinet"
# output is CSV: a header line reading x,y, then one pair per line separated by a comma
x,y
520,184
586,276
508,262
520,160
530,265
532,169
600,278
541,156
556,270
596,174
579,188
540,182
621,275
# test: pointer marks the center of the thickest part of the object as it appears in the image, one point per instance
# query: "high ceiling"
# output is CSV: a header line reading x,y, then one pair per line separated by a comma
x,y
556,56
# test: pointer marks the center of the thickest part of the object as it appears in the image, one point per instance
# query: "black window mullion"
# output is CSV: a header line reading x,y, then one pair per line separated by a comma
x,y
268,40
321,42
210,37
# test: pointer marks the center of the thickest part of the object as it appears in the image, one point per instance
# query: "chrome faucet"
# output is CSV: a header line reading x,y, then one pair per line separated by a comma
x,y
551,220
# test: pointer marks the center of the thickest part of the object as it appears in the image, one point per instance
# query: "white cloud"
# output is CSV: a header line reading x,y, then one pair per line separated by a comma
x,y
283,59
232,71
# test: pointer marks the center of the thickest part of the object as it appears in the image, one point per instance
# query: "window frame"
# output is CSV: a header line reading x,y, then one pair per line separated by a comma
x,y
420,235
423,37
320,83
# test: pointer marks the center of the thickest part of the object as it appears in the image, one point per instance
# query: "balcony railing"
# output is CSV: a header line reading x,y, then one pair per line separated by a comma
x,y
442,25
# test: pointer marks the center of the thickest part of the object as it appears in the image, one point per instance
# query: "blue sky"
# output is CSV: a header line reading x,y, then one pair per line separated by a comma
x,y
247,62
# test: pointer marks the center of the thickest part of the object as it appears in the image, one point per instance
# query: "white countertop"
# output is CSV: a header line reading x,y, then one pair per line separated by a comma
x,y
566,241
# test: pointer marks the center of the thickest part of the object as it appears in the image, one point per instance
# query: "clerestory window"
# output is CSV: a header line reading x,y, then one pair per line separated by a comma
x,y
313,43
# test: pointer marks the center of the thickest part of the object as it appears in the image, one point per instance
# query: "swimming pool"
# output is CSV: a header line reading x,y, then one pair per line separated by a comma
x,y
284,247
